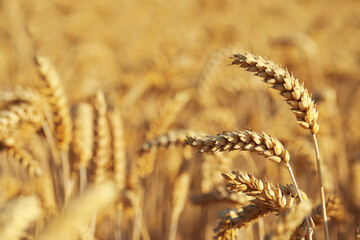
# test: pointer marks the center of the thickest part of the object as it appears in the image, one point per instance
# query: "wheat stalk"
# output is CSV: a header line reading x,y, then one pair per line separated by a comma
x,y
220,194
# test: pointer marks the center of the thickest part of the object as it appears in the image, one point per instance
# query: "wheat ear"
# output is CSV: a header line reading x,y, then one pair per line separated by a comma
x,y
296,95
268,199
289,87
290,221
220,194
53,92
173,137
25,159
102,151
16,216
83,139
55,95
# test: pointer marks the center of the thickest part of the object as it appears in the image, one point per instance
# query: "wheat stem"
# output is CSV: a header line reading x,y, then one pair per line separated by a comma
x,y
322,192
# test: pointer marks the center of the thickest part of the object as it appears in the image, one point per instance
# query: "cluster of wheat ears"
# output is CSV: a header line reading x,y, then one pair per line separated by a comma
x,y
87,177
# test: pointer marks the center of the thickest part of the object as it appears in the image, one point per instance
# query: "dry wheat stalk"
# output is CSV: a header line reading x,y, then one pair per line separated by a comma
x,y
357,232
290,221
102,151
180,194
80,211
173,137
335,210
247,140
296,95
46,192
17,215
55,95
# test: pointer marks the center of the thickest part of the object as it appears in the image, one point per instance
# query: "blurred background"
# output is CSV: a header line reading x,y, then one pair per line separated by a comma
x,y
147,55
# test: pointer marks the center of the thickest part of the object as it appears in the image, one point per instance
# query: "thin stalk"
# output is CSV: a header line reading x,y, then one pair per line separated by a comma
x,y
83,179
322,191
300,197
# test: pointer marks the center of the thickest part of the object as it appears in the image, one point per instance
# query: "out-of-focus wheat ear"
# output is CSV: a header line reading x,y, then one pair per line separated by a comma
x,y
80,211
118,148
27,162
102,148
173,137
334,208
234,219
53,91
168,114
289,87
220,194
83,139
20,94
16,115
46,192
293,217
16,216
180,195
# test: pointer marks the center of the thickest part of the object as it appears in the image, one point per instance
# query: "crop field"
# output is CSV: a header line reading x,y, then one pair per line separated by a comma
x,y
204,119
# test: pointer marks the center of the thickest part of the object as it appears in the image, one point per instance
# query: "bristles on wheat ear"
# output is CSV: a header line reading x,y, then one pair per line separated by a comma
x,y
289,87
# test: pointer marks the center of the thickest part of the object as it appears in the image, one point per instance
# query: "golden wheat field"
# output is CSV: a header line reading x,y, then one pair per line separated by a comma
x,y
204,119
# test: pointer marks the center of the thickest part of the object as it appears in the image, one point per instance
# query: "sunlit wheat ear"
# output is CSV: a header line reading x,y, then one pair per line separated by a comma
x,y
289,87
267,199
102,150
296,95
79,212
17,215
53,91
247,140
293,217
